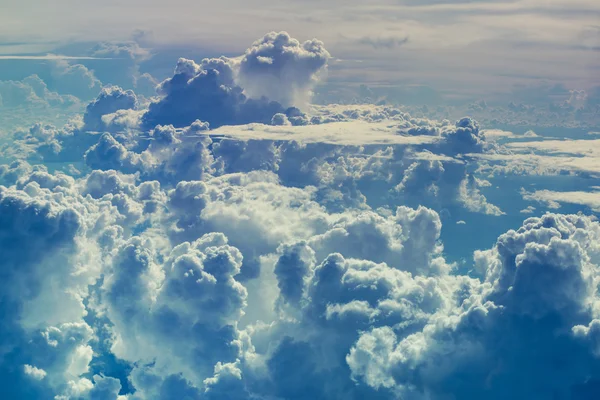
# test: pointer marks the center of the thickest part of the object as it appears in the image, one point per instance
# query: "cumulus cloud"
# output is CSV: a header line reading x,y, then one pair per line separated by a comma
x,y
514,303
110,100
189,306
528,210
129,49
170,157
34,372
44,287
31,92
282,69
123,69
363,297
465,137
74,79
206,92
471,197
273,74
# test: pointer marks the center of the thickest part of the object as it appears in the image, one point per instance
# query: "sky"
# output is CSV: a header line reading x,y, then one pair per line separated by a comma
x,y
506,43
300,200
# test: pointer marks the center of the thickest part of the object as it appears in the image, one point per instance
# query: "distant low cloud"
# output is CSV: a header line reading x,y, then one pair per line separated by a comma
x,y
382,42
74,79
553,199
31,92
48,57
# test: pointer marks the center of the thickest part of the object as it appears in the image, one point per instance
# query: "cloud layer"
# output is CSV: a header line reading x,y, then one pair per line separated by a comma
x,y
228,240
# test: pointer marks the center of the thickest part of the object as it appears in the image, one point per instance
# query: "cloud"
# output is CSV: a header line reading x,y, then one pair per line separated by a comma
x,y
463,138
443,35
129,49
388,43
31,92
517,307
110,100
560,147
275,73
74,79
282,69
365,296
109,154
206,92
280,119
294,264
34,372
155,308
44,287
528,210
547,157
552,198
343,133
473,200
123,70
151,250
170,156
45,57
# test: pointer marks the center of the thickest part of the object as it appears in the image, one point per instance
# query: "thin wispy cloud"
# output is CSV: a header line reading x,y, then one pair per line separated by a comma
x,y
49,57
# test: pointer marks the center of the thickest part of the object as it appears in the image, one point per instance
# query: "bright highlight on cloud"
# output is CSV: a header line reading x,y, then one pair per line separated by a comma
x,y
228,238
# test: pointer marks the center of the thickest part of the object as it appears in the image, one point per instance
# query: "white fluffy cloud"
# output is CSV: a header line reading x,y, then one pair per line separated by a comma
x,y
553,198
282,69
74,79
180,316
30,91
224,286
206,91
275,73
110,100
538,286
51,255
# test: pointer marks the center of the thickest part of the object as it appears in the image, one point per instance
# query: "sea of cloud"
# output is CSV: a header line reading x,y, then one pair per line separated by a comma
x,y
227,239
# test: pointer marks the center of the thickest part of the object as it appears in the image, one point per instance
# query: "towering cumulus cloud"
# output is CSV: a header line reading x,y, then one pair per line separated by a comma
x,y
282,69
208,92
275,73
225,240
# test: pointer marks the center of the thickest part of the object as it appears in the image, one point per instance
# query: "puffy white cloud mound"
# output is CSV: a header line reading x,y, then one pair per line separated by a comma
x,y
465,137
110,100
275,73
282,69
535,309
207,92
240,286
180,316
51,255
